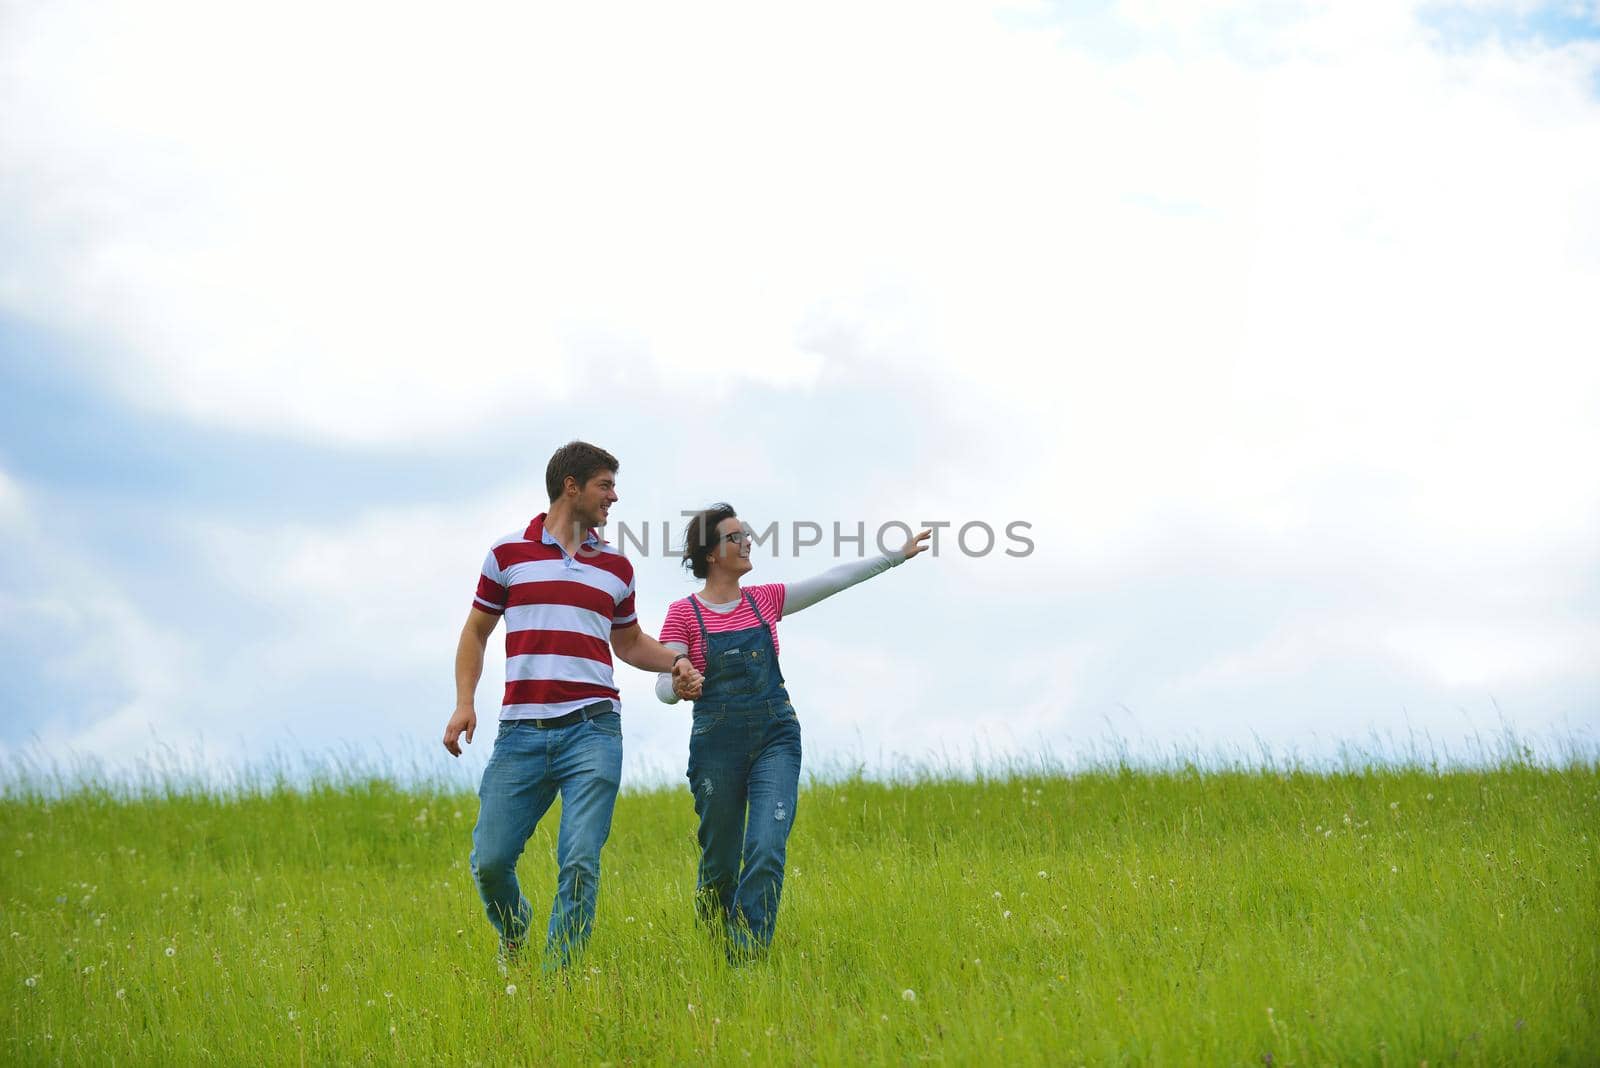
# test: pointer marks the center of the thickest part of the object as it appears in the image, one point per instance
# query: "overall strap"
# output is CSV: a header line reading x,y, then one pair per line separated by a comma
x,y
695,604
759,616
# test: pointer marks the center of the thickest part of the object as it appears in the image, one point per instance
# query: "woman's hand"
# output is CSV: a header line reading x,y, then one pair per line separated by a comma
x,y
916,544
686,680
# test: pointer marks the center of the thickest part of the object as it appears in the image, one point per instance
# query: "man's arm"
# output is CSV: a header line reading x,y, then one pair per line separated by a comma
x,y
469,669
633,646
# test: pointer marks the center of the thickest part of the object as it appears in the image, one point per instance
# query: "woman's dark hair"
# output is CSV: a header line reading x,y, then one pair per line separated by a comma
x,y
700,538
580,460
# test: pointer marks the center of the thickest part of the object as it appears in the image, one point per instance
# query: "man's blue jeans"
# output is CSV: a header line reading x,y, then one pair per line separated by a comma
x,y
528,768
744,770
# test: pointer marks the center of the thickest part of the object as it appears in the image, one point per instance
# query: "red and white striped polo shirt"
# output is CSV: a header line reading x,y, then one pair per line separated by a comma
x,y
560,611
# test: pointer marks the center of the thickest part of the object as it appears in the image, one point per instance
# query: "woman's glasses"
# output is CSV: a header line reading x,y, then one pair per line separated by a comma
x,y
737,537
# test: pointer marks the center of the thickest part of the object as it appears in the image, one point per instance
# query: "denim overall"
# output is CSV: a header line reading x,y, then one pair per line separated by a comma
x,y
744,753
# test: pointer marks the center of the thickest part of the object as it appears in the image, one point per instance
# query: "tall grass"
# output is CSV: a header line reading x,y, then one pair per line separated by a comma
x,y
1382,914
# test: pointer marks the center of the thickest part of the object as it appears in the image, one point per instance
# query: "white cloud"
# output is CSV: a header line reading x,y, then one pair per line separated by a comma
x,y
1264,288
95,677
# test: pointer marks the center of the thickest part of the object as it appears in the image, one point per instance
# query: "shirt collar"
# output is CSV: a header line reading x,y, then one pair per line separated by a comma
x,y
537,532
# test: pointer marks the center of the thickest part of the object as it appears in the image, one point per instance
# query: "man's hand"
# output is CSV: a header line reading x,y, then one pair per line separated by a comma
x,y
465,718
686,680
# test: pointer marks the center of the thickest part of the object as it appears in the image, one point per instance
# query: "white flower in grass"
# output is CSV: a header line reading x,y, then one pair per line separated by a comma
x,y
387,996
908,995
291,1015
511,989
121,994
172,951
1006,915
323,988
1395,870
997,895
1394,805
1044,875
691,1008
31,981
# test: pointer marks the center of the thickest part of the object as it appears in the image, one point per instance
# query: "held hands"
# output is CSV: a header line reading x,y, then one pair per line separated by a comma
x,y
916,544
686,680
465,718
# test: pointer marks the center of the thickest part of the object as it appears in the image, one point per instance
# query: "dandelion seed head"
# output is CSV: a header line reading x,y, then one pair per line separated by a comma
x,y
172,951
292,1015
997,895
1006,915
908,995
691,1008
31,981
1393,805
511,989
121,993
1044,875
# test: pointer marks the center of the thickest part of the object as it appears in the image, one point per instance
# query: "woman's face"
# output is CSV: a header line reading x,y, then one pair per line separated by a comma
x,y
732,550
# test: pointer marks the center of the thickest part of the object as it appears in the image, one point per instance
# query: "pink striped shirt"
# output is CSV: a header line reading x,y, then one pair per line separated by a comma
x,y
681,626
560,611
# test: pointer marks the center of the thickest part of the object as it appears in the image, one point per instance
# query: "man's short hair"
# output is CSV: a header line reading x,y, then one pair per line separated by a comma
x,y
580,460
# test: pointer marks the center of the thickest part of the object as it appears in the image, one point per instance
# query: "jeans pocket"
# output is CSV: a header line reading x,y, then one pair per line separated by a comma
x,y
705,723
607,723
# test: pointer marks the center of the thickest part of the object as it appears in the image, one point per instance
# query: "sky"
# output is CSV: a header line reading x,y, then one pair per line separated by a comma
x,y
1275,322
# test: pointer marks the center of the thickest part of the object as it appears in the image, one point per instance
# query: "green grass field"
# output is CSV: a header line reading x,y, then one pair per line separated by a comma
x,y
1386,916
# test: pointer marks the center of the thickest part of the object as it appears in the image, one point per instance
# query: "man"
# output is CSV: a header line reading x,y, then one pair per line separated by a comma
x,y
568,601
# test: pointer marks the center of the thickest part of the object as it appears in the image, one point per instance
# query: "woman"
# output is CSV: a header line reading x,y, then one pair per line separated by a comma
x,y
744,748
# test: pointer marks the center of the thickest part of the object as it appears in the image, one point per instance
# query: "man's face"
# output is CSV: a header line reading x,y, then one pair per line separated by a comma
x,y
595,499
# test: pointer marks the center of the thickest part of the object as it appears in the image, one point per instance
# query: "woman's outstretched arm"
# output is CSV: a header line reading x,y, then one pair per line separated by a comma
x,y
807,592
